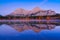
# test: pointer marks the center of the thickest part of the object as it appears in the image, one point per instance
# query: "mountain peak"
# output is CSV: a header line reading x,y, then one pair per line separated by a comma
x,y
23,11
19,9
36,9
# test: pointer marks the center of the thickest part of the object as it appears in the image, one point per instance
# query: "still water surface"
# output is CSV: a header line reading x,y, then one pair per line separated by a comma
x,y
29,31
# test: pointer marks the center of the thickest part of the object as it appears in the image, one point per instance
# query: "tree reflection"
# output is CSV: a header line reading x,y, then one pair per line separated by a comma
x,y
32,25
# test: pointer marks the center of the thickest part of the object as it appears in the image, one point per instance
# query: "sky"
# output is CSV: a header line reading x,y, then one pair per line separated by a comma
x,y
8,6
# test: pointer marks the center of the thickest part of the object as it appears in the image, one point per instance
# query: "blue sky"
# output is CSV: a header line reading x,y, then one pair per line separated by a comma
x,y
8,6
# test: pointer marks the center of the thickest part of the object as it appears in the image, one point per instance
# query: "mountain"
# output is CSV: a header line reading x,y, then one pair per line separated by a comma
x,y
19,11
25,12
35,11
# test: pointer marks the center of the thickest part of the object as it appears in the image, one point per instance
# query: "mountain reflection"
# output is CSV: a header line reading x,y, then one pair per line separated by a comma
x,y
36,27
32,25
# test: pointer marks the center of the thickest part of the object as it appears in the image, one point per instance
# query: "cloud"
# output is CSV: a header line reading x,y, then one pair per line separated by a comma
x,y
43,2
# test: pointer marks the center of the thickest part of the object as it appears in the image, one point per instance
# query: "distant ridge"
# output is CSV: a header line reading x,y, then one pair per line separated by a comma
x,y
35,11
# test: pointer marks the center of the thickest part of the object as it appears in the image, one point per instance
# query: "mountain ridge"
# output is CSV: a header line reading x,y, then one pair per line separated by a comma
x,y
36,10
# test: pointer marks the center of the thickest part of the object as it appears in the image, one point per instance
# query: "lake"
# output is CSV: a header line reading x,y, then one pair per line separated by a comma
x,y
32,30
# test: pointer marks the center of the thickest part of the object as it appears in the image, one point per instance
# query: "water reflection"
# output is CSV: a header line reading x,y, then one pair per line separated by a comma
x,y
36,26
32,30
